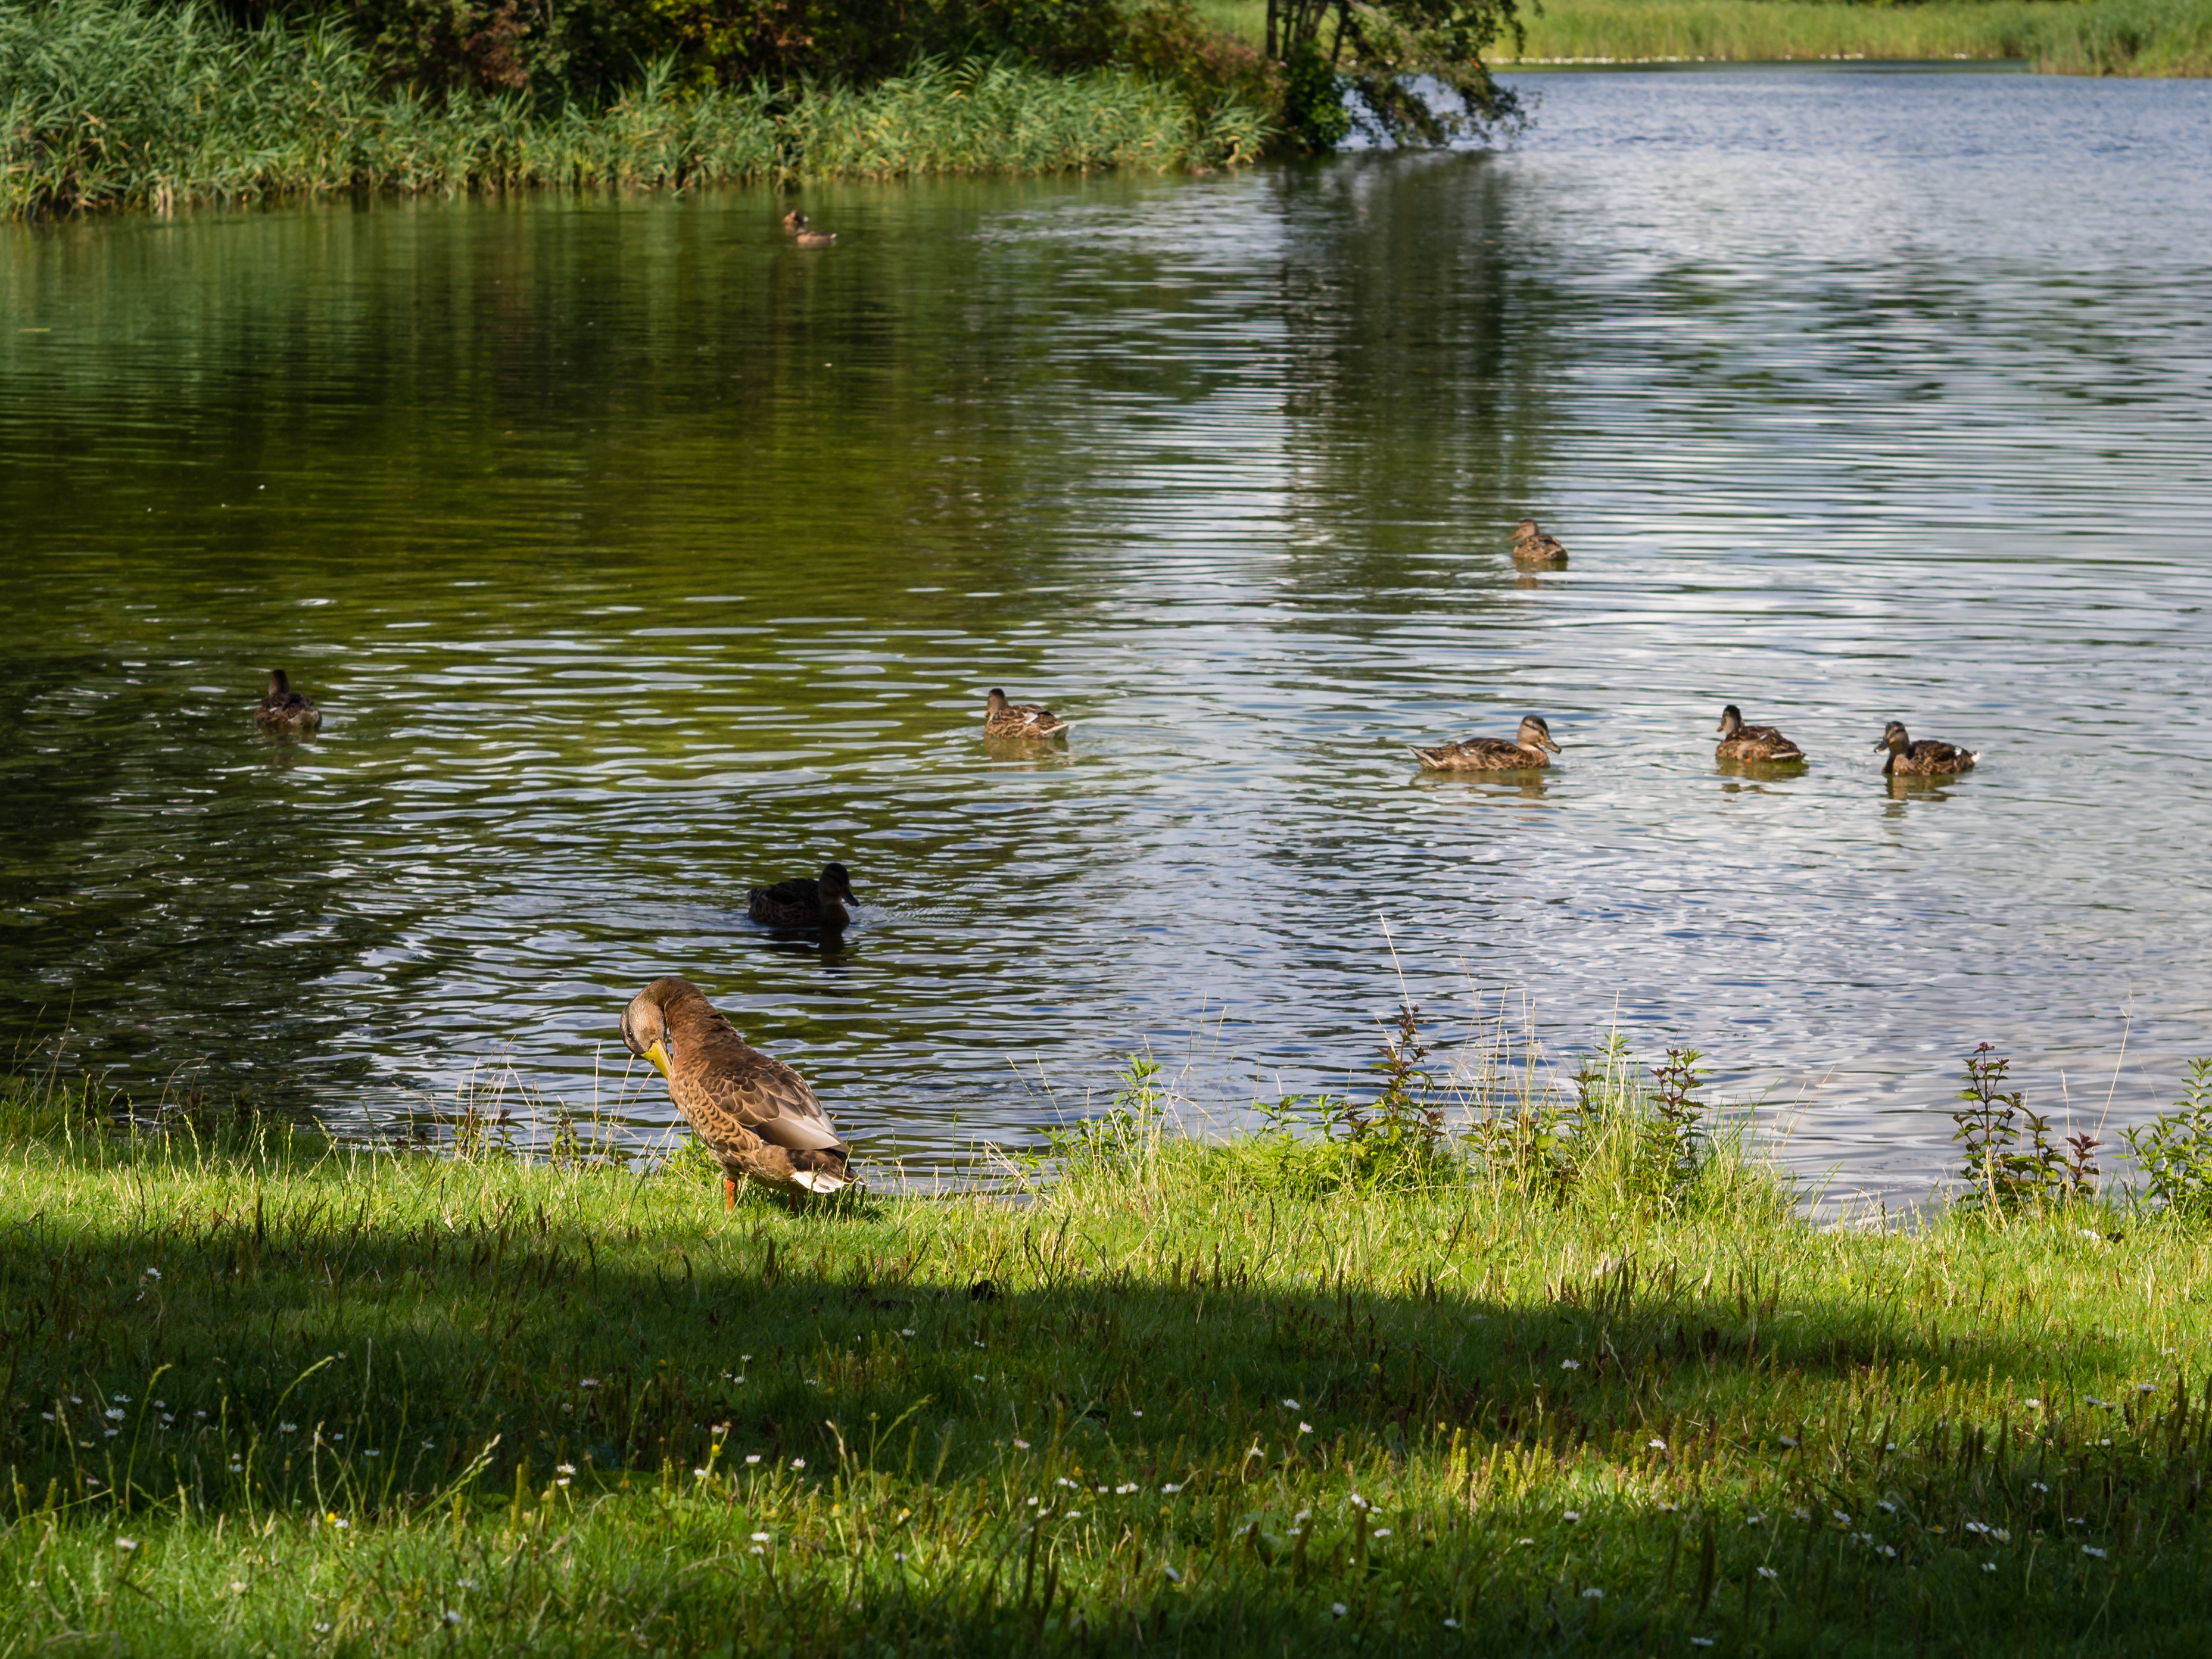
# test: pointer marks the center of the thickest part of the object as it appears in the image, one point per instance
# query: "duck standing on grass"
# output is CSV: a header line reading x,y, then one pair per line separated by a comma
x,y
754,1113
1532,546
806,901
1925,759
1740,741
1494,753
283,709
1002,718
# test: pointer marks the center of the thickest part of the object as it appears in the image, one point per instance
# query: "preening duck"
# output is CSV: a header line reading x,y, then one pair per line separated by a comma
x,y
1532,546
1002,718
806,901
283,709
1494,753
754,1113
1740,741
1925,759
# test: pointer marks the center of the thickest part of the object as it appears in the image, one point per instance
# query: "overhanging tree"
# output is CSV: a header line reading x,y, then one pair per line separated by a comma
x,y
1415,70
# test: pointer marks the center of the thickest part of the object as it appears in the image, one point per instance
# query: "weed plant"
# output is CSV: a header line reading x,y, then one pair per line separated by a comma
x,y
2174,1150
121,103
261,1391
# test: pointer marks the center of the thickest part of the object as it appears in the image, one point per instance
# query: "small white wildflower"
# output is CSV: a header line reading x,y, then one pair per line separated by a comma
x,y
286,1428
1571,1516
2032,1405
1800,1515
1305,1428
1171,1575
1754,1519
906,1333
1790,1442
798,1463
1124,1489
1592,1594
2039,1486
452,1617
760,1549
1020,1444
2092,1234
114,1414
1889,1550
1451,1624
124,1398
2091,1549
1570,1364
1357,1502
761,1538
322,1630
1290,1405
1701,1641
1136,1411
1989,1566
1074,1514
1172,1487
1768,1572
1885,1506
1339,1608
370,1454
1655,1444
980,1377
898,1555
467,1584
237,1587
752,1457
126,1544
564,1469
1382,1532
589,1383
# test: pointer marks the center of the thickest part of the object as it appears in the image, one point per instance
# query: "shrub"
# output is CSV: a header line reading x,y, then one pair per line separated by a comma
x,y
2174,1149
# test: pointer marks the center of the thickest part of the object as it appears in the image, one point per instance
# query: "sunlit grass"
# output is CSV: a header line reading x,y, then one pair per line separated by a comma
x,y
263,1391
2072,37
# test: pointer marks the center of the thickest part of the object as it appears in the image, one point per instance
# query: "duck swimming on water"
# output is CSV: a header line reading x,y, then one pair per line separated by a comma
x,y
1925,759
283,709
1494,753
1002,718
1740,741
754,1113
806,901
1532,546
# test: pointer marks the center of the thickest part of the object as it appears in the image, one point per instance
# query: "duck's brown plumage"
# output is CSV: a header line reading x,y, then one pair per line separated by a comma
x,y
754,1113
1926,758
806,238
806,901
794,223
1532,546
1002,718
283,709
1740,741
1528,749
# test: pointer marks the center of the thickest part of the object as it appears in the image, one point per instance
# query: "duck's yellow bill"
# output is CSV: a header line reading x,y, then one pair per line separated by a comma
x,y
658,1056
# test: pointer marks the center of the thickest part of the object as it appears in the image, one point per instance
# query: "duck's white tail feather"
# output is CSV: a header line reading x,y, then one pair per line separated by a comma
x,y
819,1180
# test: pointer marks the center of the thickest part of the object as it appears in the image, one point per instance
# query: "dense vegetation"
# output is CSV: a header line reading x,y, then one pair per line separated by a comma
x,y
1560,1374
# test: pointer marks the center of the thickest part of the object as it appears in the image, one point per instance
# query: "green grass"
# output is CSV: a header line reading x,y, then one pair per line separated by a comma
x,y
260,1392
2069,37
112,103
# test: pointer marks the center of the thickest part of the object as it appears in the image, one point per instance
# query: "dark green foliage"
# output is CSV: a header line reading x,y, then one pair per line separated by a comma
x,y
1313,114
1413,69
2174,1150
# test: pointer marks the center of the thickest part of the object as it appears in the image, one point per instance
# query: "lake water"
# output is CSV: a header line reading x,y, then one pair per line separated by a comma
x,y
637,558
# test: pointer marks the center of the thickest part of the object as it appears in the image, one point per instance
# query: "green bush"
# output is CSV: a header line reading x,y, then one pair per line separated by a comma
x,y
2174,1150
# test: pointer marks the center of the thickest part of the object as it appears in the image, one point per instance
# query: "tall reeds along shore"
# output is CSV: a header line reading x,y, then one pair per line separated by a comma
x,y
1531,1375
115,103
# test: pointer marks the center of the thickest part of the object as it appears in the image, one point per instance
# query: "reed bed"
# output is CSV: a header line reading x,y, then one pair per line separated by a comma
x,y
114,103
262,1391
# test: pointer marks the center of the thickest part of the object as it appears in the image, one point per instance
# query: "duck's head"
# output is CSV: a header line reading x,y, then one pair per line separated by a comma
x,y
1892,738
1525,530
1534,734
837,882
1731,721
647,1024
794,223
280,685
996,702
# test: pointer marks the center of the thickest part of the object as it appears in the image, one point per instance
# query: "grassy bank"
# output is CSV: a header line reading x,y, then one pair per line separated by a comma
x,y
264,1393
110,104
2070,37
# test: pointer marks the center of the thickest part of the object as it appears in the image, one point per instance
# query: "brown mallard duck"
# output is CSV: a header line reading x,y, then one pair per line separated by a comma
x,y
1925,759
1532,546
1740,741
283,709
794,223
807,236
806,901
1002,718
754,1113
1494,753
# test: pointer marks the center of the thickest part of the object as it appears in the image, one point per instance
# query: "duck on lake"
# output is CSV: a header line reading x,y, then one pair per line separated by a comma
x,y
1528,749
754,1113
1740,741
1532,546
806,901
283,709
1926,758
794,223
1002,718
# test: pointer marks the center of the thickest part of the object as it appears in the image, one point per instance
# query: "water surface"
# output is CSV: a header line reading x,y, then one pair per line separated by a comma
x,y
638,558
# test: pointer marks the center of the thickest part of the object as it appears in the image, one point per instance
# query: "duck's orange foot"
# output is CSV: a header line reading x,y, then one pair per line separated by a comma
x,y
729,1193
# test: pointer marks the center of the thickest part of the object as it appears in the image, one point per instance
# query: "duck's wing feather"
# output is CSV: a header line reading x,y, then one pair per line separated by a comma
x,y
731,1082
